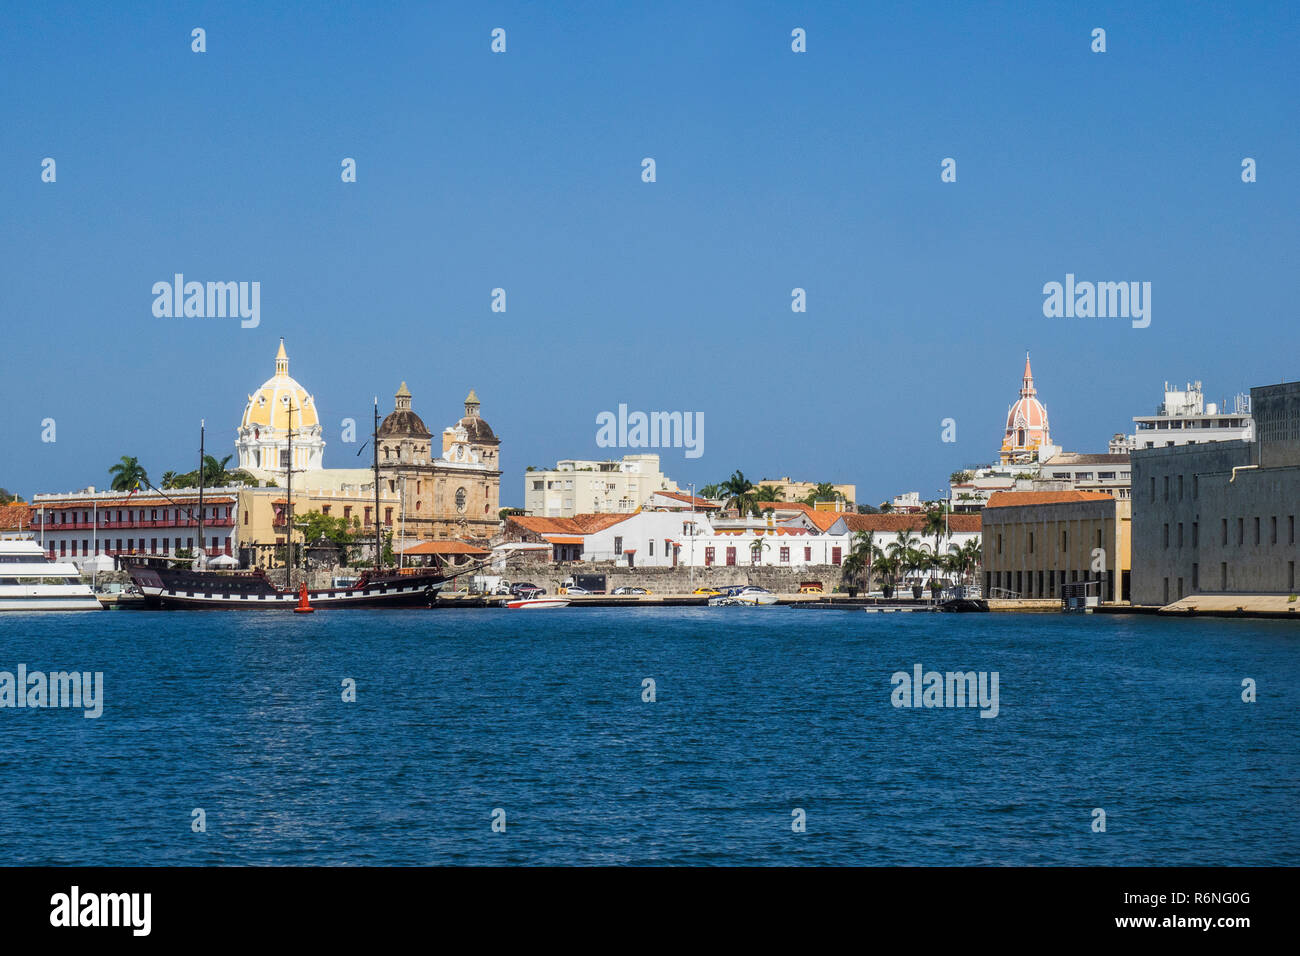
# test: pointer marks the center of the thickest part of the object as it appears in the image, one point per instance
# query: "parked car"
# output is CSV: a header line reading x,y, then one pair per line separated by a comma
x,y
528,593
574,589
811,587
518,589
630,590
707,592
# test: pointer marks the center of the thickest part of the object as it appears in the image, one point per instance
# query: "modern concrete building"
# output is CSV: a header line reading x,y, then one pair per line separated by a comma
x,y
1034,542
595,487
1220,518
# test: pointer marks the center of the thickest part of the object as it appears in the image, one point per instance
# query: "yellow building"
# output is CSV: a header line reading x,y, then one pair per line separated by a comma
x,y
800,490
1036,541
262,526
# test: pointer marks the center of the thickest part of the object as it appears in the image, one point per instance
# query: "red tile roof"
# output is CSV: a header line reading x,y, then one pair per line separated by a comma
x,y
1012,499
445,547
577,525
15,517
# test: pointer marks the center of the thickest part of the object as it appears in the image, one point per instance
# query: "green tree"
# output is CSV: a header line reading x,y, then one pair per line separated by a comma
x,y
769,493
710,491
739,492
936,523
128,475
858,564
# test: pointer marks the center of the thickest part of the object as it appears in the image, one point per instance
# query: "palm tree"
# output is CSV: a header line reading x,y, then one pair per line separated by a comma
x,y
860,559
769,493
757,548
936,523
168,478
739,492
886,565
710,491
128,474
905,551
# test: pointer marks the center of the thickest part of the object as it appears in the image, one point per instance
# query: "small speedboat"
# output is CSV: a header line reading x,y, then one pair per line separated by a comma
x,y
537,604
750,595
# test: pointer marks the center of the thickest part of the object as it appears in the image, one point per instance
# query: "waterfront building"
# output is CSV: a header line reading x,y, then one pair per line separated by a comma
x,y
80,525
1219,518
1184,418
578,486
677,539
791,490
1035,542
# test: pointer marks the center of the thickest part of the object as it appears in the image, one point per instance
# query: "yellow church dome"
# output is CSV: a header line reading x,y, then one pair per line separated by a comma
x,y
270,405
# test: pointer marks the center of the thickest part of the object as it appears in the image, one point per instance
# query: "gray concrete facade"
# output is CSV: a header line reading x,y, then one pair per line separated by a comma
x,y
1221,517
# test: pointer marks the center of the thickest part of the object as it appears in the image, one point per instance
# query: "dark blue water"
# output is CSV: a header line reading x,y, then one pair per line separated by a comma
x,y
758,711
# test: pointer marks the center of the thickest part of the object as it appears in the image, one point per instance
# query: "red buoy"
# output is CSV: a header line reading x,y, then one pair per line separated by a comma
x,y
303,607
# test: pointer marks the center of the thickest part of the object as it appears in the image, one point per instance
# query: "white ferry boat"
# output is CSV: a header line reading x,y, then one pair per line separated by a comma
x,y
30,581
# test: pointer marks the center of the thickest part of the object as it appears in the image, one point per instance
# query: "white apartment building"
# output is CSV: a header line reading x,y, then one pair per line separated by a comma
x,y
1184,418
594,487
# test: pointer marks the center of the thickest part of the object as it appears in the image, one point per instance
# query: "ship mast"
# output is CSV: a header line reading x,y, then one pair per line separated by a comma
x,y
203,551
288,494
375,448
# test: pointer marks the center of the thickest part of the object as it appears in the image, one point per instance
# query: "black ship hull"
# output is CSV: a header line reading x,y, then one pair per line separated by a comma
x,y
180,589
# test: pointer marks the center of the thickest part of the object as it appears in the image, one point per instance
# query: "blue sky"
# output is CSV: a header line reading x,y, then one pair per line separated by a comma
x,y
775,170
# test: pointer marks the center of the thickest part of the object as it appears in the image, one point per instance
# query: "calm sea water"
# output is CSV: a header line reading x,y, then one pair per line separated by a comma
x,y
758,711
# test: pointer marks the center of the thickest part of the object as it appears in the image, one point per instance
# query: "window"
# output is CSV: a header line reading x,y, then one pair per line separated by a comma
x,y
388,516
1196,537
1257,530
1106,475
708,557
1196,576
1196,488
807,555
731,556
1180,535
1180,498
1166,499
999,543
1225,531
785,555
1031,542
1290,530
835,556
1166,540
618,545
1241,531
652,547
1065,538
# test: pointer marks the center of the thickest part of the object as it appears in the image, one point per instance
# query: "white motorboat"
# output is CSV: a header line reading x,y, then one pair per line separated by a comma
x,y
750,595
31,581
537,604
